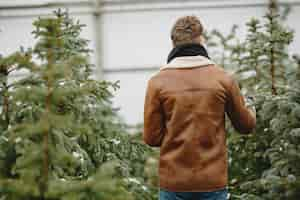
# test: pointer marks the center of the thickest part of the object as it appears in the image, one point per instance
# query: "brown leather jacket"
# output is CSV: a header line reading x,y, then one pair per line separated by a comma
x,y
184,115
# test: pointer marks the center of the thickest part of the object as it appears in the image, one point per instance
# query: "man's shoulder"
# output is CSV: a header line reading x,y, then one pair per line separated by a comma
x,y
154,77
154,80
227,77
218,69
218,72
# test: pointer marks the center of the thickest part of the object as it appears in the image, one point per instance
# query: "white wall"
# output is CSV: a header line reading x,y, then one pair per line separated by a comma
x,y
134,34
141,39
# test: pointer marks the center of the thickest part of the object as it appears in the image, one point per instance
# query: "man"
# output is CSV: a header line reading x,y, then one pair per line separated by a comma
x,y
184,115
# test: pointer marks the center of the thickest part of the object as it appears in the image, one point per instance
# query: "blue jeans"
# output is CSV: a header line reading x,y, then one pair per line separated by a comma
x,y
215,195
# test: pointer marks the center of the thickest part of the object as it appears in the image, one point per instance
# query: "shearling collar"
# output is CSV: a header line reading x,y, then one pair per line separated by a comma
x,y
188,62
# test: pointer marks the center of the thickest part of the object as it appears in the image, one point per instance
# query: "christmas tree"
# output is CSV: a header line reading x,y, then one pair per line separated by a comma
x,y
60,138
263,165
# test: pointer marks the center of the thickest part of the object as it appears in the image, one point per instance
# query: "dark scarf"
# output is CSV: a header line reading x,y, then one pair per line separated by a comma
x,y
187,50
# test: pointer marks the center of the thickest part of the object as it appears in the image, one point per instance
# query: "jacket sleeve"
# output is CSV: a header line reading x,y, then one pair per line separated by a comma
x,y
153,117
242,118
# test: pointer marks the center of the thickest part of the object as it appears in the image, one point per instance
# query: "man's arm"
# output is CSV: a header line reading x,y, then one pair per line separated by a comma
x,y
243,118
153,117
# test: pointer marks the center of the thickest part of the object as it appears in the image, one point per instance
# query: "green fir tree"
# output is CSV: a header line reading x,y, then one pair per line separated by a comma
x,y
263,165
60,138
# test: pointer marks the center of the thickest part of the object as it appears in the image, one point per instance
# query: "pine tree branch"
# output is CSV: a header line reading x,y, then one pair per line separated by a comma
x,y
4,72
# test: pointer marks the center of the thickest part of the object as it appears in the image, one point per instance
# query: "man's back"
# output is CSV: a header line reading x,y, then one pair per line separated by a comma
x,y
192,102
184,115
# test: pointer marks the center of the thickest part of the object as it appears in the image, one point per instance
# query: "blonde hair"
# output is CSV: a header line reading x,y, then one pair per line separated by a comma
x,y
185,30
